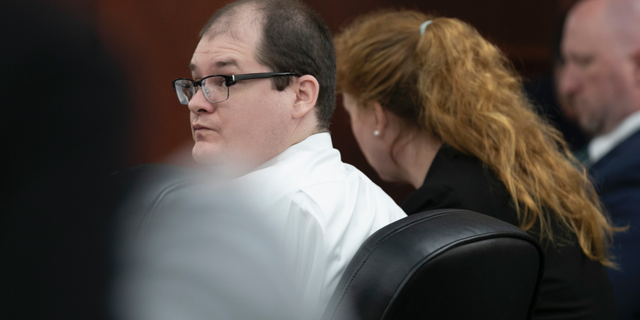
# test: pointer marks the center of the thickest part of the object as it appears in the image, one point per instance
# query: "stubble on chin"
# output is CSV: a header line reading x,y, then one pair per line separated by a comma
x,y
590,125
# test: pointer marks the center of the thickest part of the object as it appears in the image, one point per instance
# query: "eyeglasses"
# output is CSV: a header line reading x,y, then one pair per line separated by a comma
x,y
216,87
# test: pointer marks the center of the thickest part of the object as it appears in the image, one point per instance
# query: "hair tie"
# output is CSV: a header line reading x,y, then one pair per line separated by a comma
x,y
424,25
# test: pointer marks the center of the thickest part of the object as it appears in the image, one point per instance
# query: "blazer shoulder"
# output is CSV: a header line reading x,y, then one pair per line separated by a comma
x,y
621,157
431,198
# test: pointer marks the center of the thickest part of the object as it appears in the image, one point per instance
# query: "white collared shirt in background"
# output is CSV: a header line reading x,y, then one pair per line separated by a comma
x,y
326,209
601,145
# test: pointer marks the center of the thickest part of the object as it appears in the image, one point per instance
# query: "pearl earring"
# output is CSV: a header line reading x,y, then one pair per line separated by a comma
x,y
376,133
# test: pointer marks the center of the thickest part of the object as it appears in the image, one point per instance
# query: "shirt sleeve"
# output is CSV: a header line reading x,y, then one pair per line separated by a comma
x,y
305,242
201,258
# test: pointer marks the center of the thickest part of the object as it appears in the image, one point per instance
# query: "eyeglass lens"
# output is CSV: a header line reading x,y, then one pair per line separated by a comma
x,y
215,90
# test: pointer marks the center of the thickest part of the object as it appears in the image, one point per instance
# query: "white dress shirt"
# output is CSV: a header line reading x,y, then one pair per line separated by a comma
x,y
211,250
601,145
325,208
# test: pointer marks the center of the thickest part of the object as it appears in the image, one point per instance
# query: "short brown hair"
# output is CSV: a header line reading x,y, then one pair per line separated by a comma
x,y
294,39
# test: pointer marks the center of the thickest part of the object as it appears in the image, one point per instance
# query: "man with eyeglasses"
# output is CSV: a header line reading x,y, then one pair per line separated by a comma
x,y
260,102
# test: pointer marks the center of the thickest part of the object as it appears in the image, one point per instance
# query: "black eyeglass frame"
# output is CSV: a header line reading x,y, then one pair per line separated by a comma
x,y
233,79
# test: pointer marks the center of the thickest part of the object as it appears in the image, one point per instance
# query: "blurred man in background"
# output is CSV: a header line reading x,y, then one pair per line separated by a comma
x,y
545,92
601,47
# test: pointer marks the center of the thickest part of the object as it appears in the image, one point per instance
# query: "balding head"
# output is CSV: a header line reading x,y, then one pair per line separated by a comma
x,y
623,19
590,14
293,38
228,19
613,22
601,47
244,123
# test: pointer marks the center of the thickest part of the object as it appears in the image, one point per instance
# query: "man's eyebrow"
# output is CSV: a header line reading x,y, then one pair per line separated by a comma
x,y
226,63
218,64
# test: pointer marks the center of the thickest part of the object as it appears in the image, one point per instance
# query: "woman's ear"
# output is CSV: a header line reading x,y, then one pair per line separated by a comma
x,y
381,118
306,89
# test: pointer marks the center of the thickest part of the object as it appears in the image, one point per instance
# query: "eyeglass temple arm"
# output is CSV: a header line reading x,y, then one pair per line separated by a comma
x,y
233,79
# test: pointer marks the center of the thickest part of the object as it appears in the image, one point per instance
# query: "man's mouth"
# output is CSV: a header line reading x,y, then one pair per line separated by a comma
x,y
198,126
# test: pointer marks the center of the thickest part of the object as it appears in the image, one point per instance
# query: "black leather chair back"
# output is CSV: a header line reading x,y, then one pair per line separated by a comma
x,y
442,264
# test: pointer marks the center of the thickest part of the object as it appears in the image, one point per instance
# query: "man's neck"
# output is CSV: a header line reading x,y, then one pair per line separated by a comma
x,y
306,127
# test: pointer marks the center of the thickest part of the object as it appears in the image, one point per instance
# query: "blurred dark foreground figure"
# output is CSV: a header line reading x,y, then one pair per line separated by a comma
x,y
62,114
193,248
202,256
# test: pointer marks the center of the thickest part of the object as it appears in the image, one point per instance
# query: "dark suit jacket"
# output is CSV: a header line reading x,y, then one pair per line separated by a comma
x,y
617,180
573,287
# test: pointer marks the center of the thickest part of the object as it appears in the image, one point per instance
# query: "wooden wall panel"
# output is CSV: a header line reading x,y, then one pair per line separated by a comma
x,y
153,41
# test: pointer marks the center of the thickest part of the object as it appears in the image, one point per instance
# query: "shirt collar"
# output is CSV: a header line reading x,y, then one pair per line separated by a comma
x,y
314,142
601,145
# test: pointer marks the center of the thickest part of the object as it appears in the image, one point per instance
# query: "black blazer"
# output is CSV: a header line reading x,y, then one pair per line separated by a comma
x,y
617,179
573,286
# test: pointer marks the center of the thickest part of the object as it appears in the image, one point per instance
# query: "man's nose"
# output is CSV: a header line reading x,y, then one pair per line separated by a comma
x,y
200,104
569,80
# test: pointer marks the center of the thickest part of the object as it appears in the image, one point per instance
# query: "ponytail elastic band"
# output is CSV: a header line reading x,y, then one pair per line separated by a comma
x,y
423,26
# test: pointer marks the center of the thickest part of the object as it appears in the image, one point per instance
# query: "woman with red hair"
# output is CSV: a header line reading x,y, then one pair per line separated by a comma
x,y
435,105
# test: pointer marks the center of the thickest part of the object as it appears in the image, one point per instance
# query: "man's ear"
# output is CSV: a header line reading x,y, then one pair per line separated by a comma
x,y
306,90
381,117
